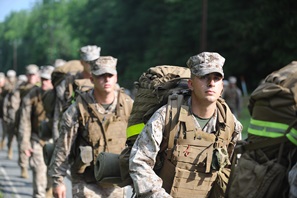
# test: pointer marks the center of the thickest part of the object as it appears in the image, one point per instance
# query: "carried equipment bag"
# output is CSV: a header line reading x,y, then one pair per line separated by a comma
x,y
270,149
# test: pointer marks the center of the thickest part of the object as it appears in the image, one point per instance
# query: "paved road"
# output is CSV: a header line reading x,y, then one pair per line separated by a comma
x,y
11,184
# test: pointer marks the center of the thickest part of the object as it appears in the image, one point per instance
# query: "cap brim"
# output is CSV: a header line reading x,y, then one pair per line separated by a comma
x,y
104,71
205,72
45,76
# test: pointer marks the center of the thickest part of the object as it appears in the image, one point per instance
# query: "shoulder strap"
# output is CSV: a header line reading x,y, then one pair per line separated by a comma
x,y
171,121
225,116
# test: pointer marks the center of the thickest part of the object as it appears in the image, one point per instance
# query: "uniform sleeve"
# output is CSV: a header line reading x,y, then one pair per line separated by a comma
x,y
25,122
237,131
68,133
143,158
58,108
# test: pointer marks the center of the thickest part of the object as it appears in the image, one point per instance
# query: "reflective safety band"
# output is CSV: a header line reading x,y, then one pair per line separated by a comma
x,y
134,129
271,130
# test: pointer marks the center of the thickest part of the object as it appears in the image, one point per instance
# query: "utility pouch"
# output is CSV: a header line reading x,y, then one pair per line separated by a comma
x,y
48,150
220,184
45,131
83,160
256,179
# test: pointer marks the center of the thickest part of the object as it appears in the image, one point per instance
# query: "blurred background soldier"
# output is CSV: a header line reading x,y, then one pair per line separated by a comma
x,y
2,82
33,80
233,96
65,89
8,116
32,113
10,106
94,123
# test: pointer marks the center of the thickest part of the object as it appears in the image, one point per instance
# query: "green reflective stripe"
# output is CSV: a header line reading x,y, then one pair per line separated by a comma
x,y
267,129
134,129
292,139
271,130
264,133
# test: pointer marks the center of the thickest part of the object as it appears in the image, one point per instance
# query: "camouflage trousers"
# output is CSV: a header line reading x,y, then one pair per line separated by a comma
x,y
10,131
92,190
39,169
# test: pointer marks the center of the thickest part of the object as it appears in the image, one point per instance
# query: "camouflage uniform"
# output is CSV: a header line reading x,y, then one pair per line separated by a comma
x,y
68,136
10,106
31,114
9,111
146,148
143,158
87,123
32,73
88,54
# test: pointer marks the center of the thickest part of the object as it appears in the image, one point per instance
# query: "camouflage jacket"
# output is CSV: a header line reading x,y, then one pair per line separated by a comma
x,y
146,148
31,114
69,130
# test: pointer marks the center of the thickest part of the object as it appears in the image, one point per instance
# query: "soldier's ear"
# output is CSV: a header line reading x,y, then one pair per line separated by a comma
x,y
92,79
190,84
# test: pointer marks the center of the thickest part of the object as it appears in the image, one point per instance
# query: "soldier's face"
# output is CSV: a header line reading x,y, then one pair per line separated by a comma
x,y
46,84
105,82
33,78
207,88
87,66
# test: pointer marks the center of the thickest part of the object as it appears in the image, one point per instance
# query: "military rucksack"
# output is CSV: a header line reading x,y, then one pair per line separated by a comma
x,y
270,149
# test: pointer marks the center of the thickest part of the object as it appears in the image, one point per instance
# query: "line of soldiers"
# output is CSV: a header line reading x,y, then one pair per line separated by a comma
x,y
35,109
82,124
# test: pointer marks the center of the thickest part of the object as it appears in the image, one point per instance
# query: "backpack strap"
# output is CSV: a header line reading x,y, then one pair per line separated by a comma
x,y
171,120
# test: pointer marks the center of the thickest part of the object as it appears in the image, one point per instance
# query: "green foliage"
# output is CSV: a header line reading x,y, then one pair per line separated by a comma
x,y
256,37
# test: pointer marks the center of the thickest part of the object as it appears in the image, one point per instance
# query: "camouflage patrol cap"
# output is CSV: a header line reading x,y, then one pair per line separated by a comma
x,y
46,71
2,75
22,78
90,52
206,63
32,69
11,73
59,62
104,64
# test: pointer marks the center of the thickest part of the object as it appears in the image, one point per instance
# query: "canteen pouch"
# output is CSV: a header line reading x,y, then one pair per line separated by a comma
x,y
83,160
220,185
45,131
256,179
48,150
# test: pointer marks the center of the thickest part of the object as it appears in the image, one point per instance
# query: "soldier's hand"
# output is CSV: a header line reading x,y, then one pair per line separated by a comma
x,y
59,191
28,152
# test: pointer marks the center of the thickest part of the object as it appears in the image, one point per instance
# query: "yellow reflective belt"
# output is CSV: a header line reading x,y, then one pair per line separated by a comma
x,y
134,129
271,130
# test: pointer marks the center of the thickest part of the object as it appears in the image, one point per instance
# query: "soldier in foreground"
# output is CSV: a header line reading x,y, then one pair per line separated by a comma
x,y
96,122
198,153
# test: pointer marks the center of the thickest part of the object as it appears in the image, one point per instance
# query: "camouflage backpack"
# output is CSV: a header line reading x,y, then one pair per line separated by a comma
x,y
270,149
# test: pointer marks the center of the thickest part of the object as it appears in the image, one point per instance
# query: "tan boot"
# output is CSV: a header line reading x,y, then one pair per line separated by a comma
x,y
24,173
9,153
1,144
49,193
